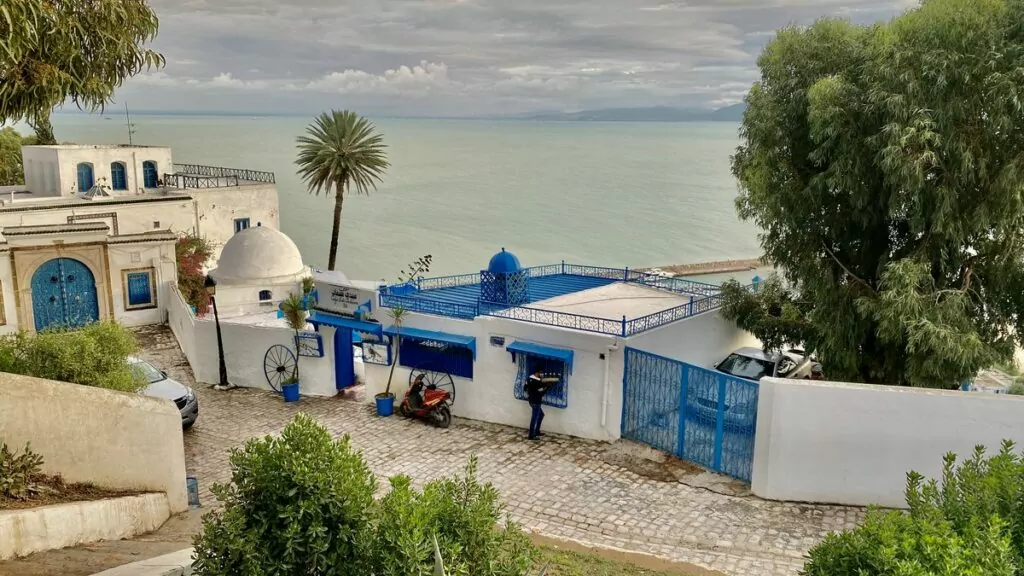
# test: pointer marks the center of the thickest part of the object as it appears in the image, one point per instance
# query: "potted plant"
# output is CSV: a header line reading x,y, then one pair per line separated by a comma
x,y
295,309
386,400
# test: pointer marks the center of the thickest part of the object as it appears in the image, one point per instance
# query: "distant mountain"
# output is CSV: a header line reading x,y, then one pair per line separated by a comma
x,y
732,113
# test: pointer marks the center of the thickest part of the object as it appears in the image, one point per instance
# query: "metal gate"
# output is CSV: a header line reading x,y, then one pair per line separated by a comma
x,y
64,294
698,414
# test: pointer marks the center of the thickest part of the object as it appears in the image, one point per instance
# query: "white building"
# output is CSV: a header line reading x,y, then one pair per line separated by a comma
x,y
91,233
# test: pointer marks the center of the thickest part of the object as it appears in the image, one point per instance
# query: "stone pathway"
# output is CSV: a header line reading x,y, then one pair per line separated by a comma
x,y
561,487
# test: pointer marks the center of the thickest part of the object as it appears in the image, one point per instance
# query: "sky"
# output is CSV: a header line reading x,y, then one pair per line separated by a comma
x,y
466,57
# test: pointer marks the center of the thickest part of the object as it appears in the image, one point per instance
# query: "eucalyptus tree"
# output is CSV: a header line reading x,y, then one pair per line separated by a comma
x,y
884,166
52,51
341,152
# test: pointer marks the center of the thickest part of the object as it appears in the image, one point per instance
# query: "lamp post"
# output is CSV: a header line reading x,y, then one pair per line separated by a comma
x,y
211,287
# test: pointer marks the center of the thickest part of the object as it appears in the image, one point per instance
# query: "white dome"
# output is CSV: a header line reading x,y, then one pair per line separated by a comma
x,y
257,255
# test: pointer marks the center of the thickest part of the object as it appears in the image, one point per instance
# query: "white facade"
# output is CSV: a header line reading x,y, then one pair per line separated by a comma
x,y
853,444
54,170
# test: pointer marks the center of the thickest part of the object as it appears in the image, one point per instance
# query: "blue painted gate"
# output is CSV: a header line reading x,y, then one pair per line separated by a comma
x,y
64,295
697,414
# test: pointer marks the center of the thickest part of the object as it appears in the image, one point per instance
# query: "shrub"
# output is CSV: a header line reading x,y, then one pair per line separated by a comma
x,y
303,504
971,522
192,254
94,355
1017,388
19,472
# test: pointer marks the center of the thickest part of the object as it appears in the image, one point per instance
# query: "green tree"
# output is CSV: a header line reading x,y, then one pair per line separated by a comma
x,y
884,165
80,50
343,152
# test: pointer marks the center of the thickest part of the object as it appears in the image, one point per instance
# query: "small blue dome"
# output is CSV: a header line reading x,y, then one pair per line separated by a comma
x,y
504,263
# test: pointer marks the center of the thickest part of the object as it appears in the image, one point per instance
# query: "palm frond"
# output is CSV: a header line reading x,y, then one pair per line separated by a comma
x,y
343,152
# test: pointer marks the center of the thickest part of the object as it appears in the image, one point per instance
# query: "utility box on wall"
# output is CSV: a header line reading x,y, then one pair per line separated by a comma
x,y
337,295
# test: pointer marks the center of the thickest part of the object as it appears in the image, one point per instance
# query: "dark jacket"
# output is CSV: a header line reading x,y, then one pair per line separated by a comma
x,y
536,387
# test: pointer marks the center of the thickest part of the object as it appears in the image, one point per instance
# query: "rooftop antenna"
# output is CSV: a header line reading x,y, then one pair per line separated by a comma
x,y
131,127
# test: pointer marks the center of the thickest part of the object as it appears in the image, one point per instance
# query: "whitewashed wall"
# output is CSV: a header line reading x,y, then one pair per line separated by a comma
x,y
219,207
490,395
702,340
245,346
10,309
173,212
127,257
854,443
41,161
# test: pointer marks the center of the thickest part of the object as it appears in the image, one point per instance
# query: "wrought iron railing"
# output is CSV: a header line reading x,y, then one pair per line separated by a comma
x,y
415,297
220,172
184,181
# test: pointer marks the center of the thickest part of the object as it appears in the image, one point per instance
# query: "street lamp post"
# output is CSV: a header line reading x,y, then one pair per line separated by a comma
x,y
211,287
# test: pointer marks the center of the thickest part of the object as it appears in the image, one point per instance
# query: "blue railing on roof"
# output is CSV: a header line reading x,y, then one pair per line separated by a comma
x,y
415,297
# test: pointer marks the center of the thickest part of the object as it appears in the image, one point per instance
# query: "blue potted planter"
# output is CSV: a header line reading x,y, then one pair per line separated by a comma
x,y
290,391
385,404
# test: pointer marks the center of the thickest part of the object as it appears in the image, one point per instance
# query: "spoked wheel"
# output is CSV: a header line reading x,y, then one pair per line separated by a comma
x,y
442,417
279,365
440,380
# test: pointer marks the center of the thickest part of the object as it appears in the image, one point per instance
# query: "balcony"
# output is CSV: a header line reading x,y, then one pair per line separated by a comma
x,y
198,176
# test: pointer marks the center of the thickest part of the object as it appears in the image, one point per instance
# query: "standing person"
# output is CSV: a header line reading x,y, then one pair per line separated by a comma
x,y
536,386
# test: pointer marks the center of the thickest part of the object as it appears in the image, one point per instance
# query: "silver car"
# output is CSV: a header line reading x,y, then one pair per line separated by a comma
x,y
755,363
161,386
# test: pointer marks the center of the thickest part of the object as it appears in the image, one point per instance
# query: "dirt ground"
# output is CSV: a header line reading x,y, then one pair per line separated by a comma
x,y
55,491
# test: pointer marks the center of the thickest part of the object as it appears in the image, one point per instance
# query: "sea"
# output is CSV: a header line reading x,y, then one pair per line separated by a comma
x,y
608,194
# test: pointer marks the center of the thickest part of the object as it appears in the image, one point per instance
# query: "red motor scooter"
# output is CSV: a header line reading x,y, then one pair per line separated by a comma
x,y
429,397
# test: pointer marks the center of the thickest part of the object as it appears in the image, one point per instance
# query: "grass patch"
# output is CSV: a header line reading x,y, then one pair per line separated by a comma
x,y
562,562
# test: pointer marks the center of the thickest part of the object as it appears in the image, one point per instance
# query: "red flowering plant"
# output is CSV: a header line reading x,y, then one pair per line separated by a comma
x,y
192,253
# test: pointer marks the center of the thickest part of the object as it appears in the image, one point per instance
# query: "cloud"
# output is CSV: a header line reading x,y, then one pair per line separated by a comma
x,y
457,57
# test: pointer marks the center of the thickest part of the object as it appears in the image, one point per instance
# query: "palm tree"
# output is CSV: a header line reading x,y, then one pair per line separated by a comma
x,y
341,151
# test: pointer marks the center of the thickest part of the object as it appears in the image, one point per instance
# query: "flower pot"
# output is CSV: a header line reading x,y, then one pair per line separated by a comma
x,y
385,404
290,392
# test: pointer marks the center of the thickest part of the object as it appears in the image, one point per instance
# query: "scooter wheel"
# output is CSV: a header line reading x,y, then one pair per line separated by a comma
x,y
443,417
403,410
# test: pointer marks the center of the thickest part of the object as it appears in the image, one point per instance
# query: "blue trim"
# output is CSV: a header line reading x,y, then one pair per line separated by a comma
x,y
309,344
445,337
561,354
316,318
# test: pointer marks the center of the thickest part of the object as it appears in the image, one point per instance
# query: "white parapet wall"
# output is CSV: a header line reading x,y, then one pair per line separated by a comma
x,y
86,434
853,444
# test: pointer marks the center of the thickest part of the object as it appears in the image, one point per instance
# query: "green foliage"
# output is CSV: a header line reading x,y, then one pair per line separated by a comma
x,y
192,253
19,473
1016,389
308,284
884,167
94,355
303,503
969,523
772,313
343,152
12,170
73,49
300,503
295,309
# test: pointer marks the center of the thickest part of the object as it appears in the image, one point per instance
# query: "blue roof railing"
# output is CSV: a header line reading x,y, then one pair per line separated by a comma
x,y
417,297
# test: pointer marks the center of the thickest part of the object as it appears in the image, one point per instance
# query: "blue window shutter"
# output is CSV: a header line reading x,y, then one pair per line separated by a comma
x,y
117,176
140,289
149,174
85,177
438,356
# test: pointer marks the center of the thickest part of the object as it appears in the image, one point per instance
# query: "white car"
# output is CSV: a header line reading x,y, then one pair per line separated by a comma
x,y
161,386
755,363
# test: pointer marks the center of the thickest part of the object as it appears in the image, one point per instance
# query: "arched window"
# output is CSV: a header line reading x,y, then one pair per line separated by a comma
x,y
85,177
266,295
118,178
149,174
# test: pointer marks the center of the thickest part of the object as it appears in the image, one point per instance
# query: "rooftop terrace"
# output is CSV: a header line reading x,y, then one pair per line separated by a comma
x,y
200,176
554,298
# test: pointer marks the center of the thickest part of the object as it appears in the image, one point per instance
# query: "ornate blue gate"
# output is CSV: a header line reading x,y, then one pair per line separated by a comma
x,y
698,414
64,294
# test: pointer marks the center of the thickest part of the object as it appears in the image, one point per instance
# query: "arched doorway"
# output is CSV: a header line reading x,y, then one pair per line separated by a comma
x,y
64,294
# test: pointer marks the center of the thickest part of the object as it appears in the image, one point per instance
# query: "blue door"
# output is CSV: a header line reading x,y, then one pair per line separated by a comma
x,y
118,180
85,177
149,177
344,359
64,295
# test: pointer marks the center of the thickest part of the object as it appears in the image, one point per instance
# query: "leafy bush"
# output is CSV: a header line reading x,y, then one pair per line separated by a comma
x,y
304,503
18,473
192,253
971,523
94,355
1016,389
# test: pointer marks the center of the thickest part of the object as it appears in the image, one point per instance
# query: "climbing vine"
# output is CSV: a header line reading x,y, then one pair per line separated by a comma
x,y
192,253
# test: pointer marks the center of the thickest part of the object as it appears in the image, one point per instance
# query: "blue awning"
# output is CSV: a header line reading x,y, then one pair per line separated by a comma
x,y
563,354
317,318
445,337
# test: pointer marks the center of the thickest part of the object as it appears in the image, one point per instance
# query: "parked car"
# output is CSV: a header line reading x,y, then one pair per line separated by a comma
x,y
161,386
755,363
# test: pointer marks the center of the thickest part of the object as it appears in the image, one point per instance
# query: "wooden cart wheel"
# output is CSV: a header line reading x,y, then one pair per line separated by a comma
x,y
441,380
279,365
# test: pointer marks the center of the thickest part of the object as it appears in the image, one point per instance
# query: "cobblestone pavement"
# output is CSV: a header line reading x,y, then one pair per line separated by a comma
x,y
560,487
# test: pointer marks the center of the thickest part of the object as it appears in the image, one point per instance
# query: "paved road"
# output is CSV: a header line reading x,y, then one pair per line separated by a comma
x,y
591,492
